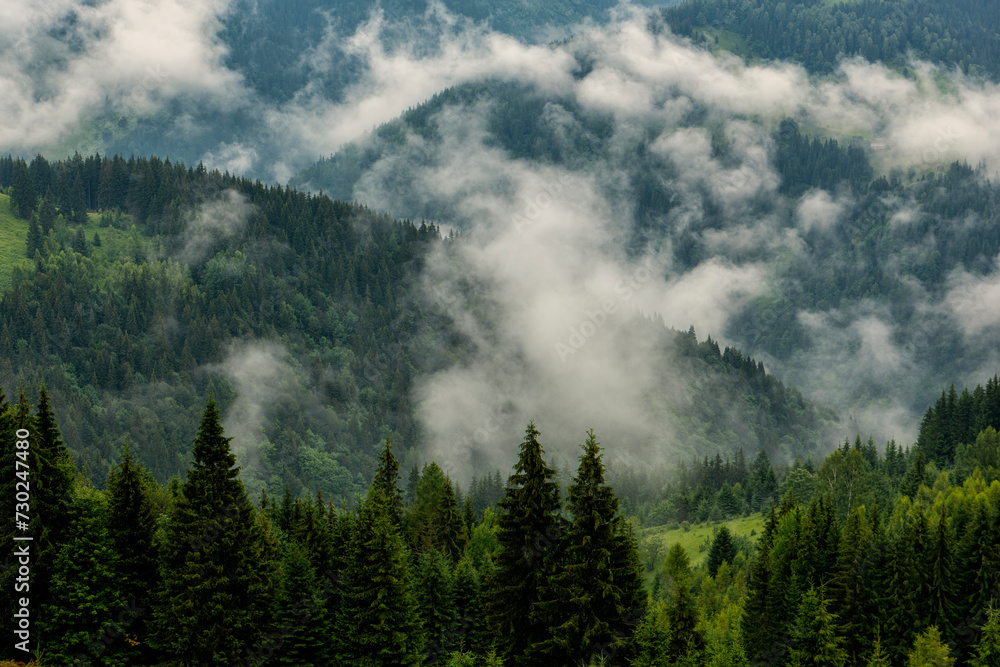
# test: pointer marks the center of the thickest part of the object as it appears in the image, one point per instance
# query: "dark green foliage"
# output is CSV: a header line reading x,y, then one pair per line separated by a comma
x,y
987,651
943,576
859,569
814,636
957,419
85,615
722,550
915,475
131,529
378,623
529,528
23,198
818,35
593,601
214,602
685,640
470,632
302,628
435,593
34,237
433,521
387,480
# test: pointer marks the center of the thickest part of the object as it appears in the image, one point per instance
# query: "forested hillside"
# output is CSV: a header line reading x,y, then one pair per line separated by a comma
x,y
296,313
820,34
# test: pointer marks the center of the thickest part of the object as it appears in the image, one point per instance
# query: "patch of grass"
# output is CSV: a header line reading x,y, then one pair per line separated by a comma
x,y
655,542
13,243
727,41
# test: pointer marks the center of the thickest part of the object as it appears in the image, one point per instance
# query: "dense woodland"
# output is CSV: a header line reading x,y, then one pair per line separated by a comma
x,y
866,558
900,236
820,34
131,316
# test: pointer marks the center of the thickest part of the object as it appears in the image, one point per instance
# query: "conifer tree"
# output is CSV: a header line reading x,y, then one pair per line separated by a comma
x,y
387,480
300,620
853,586
685,639
34,237
378,624
217,580
814,635
914,475
987,651
471,633
529,526
942,613
435,593
131,530
878,657
54,478
589,603
23,197
433,521
84,617
723,549
47,214
651,639
755,630
930,651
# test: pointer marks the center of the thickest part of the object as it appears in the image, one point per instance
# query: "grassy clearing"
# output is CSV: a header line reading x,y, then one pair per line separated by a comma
x,y
655,542
13,243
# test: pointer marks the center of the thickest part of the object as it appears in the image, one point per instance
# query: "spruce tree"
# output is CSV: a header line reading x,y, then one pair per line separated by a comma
x,y
685,640
853,586
987,651
589,603
300,618
756,632
378,624
387,480
879,657
529,526
47,215
815,640
942,609
930,651
23,197
51,498
651,639
34,237
217,583
471,633
433,521
435,593
131,529
723,550
85,620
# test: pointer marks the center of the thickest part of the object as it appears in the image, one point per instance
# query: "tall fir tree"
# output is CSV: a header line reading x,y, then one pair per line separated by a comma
x,y
589,604
435,593
23,197
529,527
300,618
86,620
217,581
987,650
942,609
853,586
55,478
929,650
132,531
387,480
815,641
378,623
723,550
685,642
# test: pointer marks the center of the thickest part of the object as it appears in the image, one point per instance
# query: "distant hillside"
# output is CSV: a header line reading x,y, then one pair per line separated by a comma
x,y
819,34
298,314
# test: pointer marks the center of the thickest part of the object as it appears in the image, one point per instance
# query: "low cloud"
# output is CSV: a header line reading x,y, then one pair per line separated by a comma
x,y
213,222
